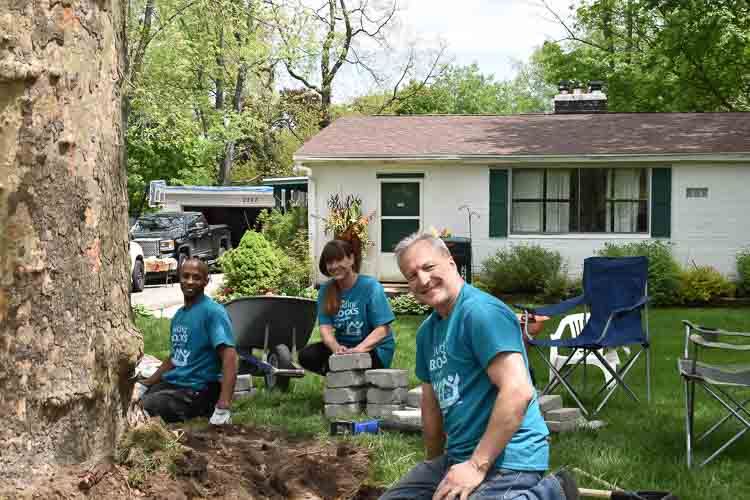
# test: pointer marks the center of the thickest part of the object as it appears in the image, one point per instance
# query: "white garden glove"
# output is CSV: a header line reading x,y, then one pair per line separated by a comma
x,y
221,417
139,390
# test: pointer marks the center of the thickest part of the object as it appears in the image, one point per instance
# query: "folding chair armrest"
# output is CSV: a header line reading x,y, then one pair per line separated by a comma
x,y
710,337
714,331
619,312
622,310
554,309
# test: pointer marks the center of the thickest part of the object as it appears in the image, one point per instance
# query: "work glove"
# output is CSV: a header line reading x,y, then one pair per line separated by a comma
x,y
139,390
221,417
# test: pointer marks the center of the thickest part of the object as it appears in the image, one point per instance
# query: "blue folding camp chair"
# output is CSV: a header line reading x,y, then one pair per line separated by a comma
x,y
614,291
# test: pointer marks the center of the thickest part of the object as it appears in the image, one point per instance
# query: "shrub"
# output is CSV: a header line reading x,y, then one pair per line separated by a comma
x,y
282,229
287,232
525,269
253,268
296,265
703,284
407,304
743,272
663,269
310,293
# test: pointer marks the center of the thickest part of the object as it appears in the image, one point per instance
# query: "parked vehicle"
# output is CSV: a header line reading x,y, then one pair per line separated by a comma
x,y
169,238
137,269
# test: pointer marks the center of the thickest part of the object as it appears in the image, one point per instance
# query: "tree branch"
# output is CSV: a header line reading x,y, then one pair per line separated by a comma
x,y
300,78
571,35
435,72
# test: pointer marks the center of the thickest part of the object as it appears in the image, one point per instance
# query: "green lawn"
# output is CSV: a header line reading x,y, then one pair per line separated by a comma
x,y
642,447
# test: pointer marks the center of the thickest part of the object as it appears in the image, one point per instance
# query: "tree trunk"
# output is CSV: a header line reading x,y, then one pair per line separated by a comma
x,y
325,106
67,346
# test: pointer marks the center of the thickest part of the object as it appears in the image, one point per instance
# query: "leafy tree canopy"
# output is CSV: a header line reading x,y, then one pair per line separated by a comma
x,y
657,55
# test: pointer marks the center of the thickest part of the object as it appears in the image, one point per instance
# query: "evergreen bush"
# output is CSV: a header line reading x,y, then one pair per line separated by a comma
x,y
253,268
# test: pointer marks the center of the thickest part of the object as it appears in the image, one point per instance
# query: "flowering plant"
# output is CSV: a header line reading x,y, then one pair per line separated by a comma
x,y
346,221
443,233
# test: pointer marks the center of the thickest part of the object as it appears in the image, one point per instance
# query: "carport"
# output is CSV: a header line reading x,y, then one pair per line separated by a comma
x,y
236,206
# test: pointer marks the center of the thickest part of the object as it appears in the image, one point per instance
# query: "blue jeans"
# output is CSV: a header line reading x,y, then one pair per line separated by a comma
x,y
422,481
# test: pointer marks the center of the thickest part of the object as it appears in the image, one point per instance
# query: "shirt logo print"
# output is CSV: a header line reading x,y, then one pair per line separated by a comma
x,y
180,350
446,387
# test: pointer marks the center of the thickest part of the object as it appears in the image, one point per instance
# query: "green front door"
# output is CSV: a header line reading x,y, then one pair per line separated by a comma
x,y
400,202
400,216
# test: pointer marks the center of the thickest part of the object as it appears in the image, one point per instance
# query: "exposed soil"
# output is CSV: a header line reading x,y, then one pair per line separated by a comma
x,y
233,462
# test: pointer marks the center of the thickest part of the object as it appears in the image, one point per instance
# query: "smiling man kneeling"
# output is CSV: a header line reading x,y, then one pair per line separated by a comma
x,y
198,378
483,431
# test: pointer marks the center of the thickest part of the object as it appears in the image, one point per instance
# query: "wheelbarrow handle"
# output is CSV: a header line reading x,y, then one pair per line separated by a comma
x,y
589,493
613,494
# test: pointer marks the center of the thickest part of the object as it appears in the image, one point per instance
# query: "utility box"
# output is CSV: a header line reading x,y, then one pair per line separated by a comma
x,y
460,249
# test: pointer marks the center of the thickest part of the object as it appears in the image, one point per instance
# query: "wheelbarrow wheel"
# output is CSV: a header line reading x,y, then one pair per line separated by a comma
x,y
279,357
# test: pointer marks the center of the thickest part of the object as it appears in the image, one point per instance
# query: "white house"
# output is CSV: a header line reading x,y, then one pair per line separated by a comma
x,y
571,181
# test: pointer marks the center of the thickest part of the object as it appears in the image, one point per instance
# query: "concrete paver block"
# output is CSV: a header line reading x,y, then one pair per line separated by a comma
x,y
387,378
244,394
342,395
563,414
375,395
567,426
411,417
243,383
550,402
381,411
343,411
414,397
344,362
350,378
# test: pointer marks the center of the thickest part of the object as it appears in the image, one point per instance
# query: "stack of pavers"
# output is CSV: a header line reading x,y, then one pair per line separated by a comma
x,y
346,386
559,419
387,391
353,388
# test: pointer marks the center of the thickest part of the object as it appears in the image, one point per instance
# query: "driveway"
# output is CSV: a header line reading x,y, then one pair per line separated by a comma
x,y
164,300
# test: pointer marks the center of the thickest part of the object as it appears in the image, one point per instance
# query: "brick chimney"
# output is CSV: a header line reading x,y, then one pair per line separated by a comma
x,y
572,98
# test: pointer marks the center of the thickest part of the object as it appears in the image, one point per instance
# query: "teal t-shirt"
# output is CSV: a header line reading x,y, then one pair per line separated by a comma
x,y
453,354
196,332
364,307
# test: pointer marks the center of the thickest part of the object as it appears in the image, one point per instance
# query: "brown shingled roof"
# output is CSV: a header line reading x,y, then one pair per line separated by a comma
x,y
537,134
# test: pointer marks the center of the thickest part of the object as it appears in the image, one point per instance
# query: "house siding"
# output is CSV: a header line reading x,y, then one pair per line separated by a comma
x,y
707,231
710,231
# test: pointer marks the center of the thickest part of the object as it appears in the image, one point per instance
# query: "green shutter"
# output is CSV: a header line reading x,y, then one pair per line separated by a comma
x,y
661,202
498,203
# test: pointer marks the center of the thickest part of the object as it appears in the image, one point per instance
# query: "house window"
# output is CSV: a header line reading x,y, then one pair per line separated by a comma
x,y
579,200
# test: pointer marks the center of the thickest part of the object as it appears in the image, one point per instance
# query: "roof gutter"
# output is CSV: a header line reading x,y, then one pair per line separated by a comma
x,y
543,159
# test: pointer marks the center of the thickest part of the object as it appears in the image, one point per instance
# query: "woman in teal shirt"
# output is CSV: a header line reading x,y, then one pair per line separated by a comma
x,y
353,312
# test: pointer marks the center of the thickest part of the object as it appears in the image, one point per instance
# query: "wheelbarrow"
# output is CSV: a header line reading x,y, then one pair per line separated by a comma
x,y
278,325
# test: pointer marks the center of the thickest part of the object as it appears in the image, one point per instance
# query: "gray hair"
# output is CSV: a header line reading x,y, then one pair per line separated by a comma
x,y
406,243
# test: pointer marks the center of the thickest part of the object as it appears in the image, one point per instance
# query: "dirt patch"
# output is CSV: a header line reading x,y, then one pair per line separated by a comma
x,y
233,462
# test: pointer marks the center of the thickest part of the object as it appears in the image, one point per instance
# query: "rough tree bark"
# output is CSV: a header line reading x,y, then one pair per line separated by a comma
x,y
67,346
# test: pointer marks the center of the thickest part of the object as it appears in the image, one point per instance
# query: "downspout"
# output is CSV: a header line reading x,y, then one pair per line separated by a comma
x,y
312,219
